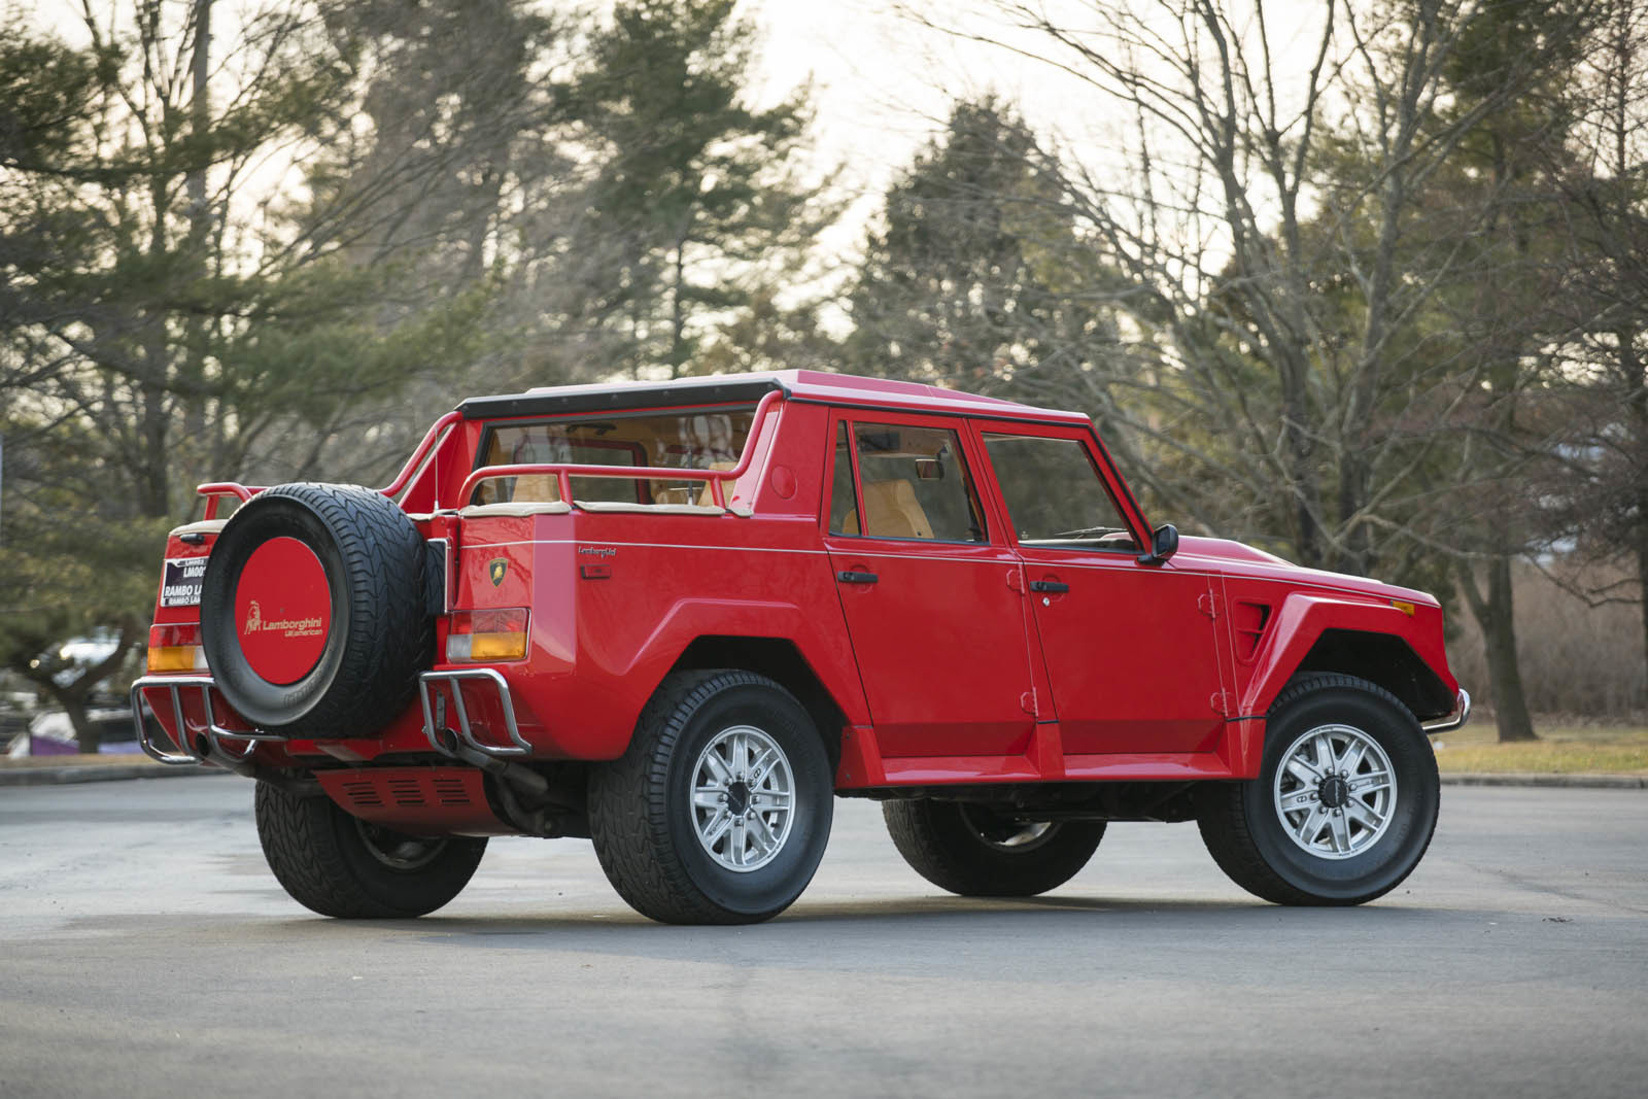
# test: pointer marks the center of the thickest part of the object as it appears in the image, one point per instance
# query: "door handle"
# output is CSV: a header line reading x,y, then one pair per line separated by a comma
x,y
1054,586
847,576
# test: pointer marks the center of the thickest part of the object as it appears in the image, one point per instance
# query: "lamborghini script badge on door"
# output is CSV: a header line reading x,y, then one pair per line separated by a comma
x,y
496,568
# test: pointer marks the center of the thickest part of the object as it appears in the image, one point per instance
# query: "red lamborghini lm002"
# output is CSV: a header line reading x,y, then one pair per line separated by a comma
x,y
680,618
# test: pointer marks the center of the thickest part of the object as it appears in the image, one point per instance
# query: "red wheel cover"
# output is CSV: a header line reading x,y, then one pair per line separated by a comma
x,y
283,610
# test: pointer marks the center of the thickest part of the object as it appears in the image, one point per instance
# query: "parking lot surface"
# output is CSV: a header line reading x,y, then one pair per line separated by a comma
x,y
146,950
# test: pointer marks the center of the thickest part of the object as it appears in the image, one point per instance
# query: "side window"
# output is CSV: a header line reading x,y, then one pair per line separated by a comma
x,y
1053,492
915,485
843,502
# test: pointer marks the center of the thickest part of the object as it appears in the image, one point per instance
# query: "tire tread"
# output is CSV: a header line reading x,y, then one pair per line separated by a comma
x,y
1223,822
629,807
927,834
301,843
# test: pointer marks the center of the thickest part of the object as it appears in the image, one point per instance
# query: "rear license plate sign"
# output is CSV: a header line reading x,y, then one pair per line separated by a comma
x,y
181,585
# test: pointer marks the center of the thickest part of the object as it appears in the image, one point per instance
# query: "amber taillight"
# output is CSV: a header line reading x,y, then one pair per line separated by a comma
x,y
498,634
176,648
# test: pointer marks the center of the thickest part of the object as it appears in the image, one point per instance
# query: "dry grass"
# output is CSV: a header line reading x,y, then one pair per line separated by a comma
x,y
72,761
1575,659
1561,749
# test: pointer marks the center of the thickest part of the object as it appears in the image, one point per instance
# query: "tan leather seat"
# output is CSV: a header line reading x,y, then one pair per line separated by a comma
x,y
538,488
893,510
706,496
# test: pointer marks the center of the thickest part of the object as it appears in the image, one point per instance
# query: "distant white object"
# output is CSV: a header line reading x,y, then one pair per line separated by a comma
x,y
81,652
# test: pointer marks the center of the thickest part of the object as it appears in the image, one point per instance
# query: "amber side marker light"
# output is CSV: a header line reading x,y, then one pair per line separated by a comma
x,y
487,635
175,649
1403,606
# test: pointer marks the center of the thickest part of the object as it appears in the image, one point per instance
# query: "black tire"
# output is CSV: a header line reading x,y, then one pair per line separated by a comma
x,y
338,865
381,633
1247,835
641,813
974,851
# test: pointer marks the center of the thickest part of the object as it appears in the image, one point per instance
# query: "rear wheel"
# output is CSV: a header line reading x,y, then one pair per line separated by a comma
x,y
977,851
339,865
720,810
1344,805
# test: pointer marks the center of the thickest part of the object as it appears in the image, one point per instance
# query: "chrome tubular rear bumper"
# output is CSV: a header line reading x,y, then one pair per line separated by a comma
x,y
1460,715
434,718
175,685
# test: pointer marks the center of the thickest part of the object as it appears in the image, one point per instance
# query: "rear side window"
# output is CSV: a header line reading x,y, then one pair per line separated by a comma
x,y
1053,492
915,485
686,440
843,497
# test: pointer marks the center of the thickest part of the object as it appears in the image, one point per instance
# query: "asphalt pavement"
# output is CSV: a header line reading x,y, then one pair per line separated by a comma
x,y
145,950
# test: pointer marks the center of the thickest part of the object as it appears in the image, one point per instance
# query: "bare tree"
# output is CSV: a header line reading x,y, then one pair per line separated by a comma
x,y
1286,246
1600,493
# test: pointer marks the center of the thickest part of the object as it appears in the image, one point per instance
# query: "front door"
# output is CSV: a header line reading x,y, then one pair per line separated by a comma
x,y
932,600
1130,648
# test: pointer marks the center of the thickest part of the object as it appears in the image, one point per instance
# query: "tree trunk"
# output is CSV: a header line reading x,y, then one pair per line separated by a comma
x,y
87,737
1635,373
1642,580
1494,612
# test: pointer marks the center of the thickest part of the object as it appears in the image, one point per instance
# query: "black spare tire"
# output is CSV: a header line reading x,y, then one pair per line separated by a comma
x,y
313,612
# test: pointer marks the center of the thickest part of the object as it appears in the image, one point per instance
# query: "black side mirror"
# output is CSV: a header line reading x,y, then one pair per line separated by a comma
x,y
1163,544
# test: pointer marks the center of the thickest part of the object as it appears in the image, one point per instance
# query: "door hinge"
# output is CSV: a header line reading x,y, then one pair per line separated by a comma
x,y
1028,701
1208,604
1220,703
1015,580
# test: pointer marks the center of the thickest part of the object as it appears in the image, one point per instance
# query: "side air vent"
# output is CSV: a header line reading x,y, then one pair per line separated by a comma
x,y
1249,621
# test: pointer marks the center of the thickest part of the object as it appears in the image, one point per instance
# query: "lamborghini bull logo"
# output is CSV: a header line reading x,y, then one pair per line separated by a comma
x,y
496,568
254,619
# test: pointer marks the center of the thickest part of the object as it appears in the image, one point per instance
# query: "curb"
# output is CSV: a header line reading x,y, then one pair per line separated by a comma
x,y
62,776
1575,781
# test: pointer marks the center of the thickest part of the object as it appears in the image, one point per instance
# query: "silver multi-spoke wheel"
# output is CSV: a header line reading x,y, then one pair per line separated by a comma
x,y
743,798
1335,791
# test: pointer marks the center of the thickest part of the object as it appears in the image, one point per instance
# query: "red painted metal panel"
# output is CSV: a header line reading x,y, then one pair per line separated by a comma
x,y
420,801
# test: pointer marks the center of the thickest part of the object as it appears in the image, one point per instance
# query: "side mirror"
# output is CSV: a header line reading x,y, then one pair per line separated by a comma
x,y
1163,544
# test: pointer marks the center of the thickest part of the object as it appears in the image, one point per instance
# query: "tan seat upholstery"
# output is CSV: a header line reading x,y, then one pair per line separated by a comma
x,y
706,496
538,488
893,510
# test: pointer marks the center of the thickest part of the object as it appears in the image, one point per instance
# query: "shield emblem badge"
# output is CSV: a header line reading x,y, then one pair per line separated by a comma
x,y
496,568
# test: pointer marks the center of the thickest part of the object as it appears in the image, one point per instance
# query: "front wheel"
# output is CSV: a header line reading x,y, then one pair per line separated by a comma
x,y
719,811
339,865
1344,805
975,851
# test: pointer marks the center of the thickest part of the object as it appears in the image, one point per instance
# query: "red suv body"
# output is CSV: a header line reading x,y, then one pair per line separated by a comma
x,y
948,602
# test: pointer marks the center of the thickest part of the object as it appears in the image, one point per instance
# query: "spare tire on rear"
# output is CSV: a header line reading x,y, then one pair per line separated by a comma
x,y
313,612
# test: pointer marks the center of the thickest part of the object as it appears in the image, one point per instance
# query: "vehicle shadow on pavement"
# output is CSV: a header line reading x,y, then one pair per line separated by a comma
x,y
919,914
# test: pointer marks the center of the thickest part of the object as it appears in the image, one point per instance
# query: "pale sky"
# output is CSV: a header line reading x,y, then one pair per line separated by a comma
x,y
882,83
883,86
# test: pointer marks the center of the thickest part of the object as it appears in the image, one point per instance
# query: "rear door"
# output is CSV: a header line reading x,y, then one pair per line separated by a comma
x,y
931,593
1130,649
